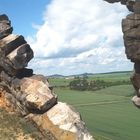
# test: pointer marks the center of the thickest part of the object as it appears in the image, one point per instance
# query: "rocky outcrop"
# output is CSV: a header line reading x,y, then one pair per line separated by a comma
x,y
30,95
64,122
15,53
131,31
5,26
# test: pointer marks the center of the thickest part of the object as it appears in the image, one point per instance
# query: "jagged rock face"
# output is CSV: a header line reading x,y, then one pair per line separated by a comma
x,y
15,53
64,122
131,30
5,26
37,95
31,94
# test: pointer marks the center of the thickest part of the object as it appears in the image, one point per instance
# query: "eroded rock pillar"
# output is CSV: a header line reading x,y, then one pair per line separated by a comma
x,y
131,30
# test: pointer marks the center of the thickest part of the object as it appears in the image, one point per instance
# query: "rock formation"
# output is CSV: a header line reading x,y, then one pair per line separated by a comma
x,y
131,30
30,95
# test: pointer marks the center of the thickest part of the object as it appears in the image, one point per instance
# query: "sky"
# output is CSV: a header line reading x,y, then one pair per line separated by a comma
x,y
70,36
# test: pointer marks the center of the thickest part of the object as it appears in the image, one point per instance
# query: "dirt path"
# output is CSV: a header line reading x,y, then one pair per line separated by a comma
x,y
100,103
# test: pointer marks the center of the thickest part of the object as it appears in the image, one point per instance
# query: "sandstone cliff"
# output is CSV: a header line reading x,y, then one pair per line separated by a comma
x,y
30,95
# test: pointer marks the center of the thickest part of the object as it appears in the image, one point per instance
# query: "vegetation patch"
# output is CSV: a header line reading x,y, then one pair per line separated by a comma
x,y
13,127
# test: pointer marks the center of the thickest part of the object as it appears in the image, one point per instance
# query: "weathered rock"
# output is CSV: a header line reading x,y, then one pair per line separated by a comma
x,y
133,16
5,26
137,67
15,53
20,56
10,43
137,7
136,101
130,22
28,93
136,83
130,5
131,30
38,96
24,73
64,122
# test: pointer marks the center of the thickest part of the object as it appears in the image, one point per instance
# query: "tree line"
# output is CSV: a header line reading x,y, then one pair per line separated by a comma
x,y
83,84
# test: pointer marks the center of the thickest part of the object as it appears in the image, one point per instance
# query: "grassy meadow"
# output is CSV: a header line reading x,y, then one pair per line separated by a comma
x,y
109,113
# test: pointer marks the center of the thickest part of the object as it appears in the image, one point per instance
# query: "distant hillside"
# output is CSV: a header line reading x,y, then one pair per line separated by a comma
x,y
55,76
117,72
85,74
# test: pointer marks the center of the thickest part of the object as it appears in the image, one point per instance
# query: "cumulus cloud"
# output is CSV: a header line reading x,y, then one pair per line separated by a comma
x,y
80,36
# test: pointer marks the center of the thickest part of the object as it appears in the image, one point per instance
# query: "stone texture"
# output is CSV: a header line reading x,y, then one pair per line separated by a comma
x,y
5,26
136,101
38,96
137,7
130,5
20,56
64,122
15,53
131,30
10,43
28,93
136,83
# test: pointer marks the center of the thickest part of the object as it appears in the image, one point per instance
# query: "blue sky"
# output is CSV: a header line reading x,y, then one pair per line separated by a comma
x,y
70,36
24,13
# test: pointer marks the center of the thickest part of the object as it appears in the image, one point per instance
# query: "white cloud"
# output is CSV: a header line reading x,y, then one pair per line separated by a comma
x,y
80,36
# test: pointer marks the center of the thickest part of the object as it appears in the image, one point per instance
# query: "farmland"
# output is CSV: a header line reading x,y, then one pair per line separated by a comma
x,y
109,113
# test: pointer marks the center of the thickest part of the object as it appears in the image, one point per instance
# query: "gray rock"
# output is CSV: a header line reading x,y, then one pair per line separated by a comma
x,y
131,30
136,7
20,56
5,26
15,53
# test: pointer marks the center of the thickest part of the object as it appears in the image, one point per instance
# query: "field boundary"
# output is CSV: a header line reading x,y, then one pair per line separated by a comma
x,y
99,103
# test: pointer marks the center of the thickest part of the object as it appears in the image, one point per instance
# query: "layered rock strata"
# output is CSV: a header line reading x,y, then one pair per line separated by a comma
x,y
30,95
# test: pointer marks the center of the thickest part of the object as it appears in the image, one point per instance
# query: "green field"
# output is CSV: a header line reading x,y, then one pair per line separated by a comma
x,y
106,77
109,113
